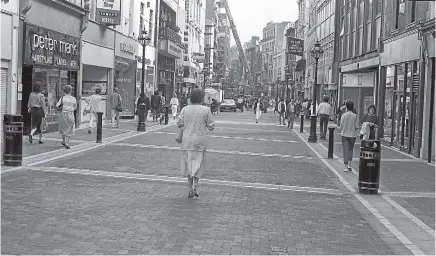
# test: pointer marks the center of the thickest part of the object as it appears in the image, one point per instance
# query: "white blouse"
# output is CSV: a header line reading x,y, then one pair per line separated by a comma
x,y
69,103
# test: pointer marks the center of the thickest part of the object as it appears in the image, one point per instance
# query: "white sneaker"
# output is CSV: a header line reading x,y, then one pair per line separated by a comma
x,y
346,170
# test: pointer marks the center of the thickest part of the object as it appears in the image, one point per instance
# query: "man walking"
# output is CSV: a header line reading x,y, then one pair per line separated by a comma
x,y
291,114
156,102
282,111
116,107
324,111
94,106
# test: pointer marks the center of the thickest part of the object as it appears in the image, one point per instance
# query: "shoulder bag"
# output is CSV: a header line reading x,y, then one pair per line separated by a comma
x,y
59,108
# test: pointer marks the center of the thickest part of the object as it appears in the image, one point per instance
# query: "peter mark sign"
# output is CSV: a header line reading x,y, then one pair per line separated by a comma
x,y
50,48
295,46
108,12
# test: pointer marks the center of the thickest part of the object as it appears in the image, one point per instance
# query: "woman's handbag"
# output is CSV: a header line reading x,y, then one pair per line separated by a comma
x,y
86,110
118,108
179,136
44,125
59,108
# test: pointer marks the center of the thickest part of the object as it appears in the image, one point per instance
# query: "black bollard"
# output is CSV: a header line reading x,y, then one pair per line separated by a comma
x,y
141,118
166,114
13,151
99,127
331,141
369,166
302,123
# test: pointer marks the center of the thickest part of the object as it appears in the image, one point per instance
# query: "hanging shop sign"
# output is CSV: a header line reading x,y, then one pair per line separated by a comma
x,y
295,46
108,12
50,48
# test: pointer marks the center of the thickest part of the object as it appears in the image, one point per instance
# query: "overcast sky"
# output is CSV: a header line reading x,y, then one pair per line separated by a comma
x,y
251,16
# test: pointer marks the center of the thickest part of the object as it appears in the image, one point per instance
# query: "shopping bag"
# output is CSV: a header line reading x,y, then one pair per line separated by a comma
x,y
44,125
179,136
86,110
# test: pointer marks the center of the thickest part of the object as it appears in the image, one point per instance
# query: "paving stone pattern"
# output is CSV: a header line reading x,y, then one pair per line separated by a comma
x,y
270,170
52,213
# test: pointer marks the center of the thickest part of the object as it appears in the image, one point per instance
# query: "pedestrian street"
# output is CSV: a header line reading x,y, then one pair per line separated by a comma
x,y
265,191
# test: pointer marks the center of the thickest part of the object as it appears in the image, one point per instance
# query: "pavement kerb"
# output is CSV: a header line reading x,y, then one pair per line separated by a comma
x,y
61,153
384,209
400,208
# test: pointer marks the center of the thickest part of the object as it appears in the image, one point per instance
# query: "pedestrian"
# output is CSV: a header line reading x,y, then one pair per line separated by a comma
x,y
67,123
93,102
174,105
162,107
282,111
193,122
324,111
349,126
371,121
143,99
258,106
291,114
155,105
37,108
116,107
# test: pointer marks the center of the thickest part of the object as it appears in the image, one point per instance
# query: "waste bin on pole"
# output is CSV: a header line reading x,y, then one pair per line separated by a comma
x,y
13,134
369,166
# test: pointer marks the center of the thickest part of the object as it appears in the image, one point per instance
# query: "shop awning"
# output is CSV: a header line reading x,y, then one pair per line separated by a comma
x,y
301,65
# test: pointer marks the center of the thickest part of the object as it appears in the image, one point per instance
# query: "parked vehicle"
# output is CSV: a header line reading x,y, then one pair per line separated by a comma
x,y
228,105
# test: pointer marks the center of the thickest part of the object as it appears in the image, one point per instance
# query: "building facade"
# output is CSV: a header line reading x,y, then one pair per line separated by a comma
x,y
210,41
194,43
50,52
405,96
254,58
222,65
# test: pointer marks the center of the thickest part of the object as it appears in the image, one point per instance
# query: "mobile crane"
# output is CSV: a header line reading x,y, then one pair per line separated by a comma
x,y
242,57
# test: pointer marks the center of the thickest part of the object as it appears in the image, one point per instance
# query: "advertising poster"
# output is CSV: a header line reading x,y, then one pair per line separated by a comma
x,y
125,81
88,87
108,12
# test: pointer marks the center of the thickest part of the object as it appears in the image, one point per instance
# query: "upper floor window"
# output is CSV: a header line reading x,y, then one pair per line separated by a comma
x,y
399,8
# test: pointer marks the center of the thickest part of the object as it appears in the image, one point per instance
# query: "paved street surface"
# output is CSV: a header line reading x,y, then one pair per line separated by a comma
x,y
265,191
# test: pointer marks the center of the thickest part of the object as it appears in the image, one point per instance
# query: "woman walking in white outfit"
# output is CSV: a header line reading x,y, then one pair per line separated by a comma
x,y
258,109
174,105
94,107
194,120
66,117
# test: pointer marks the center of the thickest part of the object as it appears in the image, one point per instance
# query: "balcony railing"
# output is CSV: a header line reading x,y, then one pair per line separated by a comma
x,y
168,33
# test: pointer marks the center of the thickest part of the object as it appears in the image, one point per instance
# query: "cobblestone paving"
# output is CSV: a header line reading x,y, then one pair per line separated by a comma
x,y
51,213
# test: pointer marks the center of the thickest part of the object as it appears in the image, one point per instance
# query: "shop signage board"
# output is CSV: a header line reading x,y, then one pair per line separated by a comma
x,y
295,46
175,50
108,12
46,47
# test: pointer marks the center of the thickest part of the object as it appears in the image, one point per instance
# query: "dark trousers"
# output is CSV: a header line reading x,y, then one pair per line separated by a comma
x,y
323,122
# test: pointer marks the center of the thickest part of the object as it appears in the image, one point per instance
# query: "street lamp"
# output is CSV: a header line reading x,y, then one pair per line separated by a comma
x,y
205,70
145,39
316,54
287,75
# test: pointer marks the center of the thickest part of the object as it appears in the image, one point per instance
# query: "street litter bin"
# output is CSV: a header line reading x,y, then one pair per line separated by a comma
x,y
13,139
369,166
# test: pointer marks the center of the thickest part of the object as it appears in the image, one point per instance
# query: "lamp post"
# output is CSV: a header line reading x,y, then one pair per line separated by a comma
x,y
205,69
287,82
145,39
316,54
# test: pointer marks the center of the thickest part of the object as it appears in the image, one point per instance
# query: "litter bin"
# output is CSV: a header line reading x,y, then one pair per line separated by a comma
x,y
13,136
369,166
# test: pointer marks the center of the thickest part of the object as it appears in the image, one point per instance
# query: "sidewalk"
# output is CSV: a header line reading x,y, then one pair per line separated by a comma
x,y
52,140
408,180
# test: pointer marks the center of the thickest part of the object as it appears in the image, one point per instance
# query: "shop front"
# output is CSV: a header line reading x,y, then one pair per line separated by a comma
x,y
125,72
169,52
399,93
97,66
52,58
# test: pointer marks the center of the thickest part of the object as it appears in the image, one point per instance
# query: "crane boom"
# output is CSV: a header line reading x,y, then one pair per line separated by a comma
x,y
238,42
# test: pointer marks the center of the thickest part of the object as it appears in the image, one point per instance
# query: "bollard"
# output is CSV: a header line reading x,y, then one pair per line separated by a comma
x,y
302,123
13,150
166,114
141,118
331,141
99,127
369,166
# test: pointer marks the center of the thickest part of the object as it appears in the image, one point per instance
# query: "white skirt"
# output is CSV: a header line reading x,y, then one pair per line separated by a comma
x,y
193,163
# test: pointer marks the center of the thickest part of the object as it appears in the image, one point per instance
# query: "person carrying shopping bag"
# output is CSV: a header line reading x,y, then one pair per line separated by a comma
x,y
36,106
67,121
93,107
193,122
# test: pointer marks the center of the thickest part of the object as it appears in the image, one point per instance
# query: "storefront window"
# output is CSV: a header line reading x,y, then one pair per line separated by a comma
x,y
400,98
389,100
